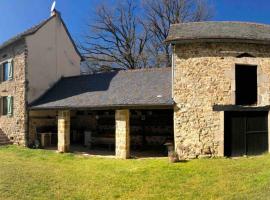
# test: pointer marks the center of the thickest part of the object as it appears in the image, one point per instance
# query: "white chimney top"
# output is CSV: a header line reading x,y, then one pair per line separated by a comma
x,y
53,8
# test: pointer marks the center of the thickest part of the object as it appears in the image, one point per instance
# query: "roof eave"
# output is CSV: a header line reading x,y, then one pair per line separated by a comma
x,y
104,107
217,40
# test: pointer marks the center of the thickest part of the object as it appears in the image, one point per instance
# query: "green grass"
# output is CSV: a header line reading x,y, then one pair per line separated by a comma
x,y
39,174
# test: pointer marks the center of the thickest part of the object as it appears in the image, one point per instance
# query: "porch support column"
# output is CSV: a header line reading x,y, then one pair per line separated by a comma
x,y
122,137
63,130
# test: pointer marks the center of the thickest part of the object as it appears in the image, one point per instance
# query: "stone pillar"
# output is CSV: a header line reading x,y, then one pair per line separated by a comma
x,y
122,137
63,130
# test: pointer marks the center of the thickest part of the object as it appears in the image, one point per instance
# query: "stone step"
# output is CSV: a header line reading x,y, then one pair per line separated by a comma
x,y
4,140
6,143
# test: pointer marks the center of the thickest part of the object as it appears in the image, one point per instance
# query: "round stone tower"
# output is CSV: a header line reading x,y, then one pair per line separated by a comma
x,y
221,75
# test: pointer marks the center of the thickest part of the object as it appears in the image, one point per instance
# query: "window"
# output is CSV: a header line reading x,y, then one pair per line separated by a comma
x,y
246,84
7,105
6,70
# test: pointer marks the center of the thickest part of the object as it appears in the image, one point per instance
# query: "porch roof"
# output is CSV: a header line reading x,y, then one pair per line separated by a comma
x,y
128,88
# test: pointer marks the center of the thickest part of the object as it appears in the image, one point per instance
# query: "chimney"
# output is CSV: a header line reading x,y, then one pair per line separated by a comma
x,y
53,10
53,13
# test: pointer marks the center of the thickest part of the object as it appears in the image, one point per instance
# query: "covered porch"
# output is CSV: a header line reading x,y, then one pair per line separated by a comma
x,y
125,113
122,133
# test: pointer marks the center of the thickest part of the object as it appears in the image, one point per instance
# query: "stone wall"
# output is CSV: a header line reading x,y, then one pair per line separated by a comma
x,y
39,119
204,75
15,126
122,135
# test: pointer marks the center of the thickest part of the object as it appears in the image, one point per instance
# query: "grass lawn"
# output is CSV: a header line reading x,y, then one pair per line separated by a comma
x,y
39,174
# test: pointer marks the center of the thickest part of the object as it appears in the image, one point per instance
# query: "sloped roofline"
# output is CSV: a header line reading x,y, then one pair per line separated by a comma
x,y
85,95
34,29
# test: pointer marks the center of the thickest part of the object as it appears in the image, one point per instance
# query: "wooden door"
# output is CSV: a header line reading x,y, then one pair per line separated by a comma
x,y
246,133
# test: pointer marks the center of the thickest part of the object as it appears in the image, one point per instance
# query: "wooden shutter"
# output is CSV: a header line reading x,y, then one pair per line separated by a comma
x,y
9,105
1,105
10,69
1,72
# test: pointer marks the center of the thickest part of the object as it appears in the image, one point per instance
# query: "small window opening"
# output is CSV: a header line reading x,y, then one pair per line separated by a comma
x,y
5,71
4,106
242,55
246,84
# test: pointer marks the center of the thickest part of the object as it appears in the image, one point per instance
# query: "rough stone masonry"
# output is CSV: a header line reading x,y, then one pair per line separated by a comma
x,y
204,76
122,137
15,126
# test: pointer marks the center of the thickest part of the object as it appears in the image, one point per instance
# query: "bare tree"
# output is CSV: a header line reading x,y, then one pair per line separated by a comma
x,y
118,38
160,14
129,37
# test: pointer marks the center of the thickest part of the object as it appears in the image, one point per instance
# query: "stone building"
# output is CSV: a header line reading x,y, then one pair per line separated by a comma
x,y
213,101
31,63
221,74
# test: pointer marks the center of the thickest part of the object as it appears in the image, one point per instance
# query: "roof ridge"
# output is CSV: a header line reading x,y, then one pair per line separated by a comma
x,y
122,71
147,69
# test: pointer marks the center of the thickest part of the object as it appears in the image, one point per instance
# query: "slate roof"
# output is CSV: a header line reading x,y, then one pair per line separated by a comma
x,y
146,87
34,29
220,31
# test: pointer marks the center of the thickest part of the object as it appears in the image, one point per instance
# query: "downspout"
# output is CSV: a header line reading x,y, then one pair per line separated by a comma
x,y
173,65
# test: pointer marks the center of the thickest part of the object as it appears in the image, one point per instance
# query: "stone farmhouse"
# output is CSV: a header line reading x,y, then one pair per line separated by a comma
x,y
213,101
31,63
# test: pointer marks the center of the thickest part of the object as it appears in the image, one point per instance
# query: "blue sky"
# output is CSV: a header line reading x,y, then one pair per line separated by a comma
x,y
18,15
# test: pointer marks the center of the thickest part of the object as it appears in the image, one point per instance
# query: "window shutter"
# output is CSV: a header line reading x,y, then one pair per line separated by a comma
x,y
1,73
10,69
1,105
10,105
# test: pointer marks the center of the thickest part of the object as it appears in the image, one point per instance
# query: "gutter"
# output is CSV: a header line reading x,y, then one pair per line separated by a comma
x,y
173,65
112,107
